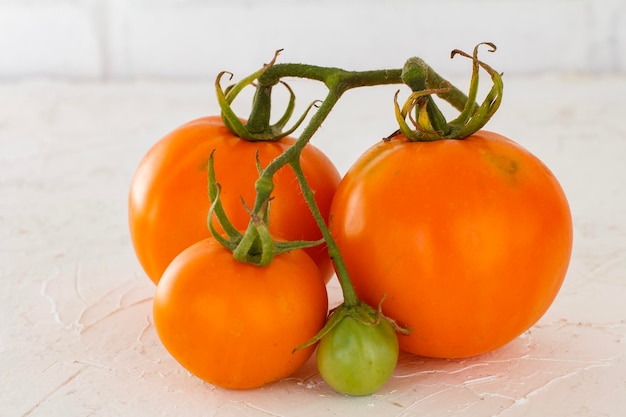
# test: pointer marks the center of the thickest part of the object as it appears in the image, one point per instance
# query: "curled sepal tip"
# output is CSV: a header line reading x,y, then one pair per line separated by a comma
x,y
474,118
258,127
275,131
229,117
217,210
256,246
429,123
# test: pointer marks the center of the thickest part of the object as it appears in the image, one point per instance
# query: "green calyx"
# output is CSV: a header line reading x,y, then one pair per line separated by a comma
x,y
256,246
359,311
428,122
258,127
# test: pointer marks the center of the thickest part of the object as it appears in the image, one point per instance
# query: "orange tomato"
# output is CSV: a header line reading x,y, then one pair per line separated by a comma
x,y
233,324
469,240
168,201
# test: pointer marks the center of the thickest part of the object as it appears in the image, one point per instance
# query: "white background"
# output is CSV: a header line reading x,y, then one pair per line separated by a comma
x,y
110,39
87,86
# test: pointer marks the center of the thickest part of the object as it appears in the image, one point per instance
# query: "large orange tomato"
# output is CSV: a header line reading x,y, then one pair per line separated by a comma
x,y
234,324
469,240
168,202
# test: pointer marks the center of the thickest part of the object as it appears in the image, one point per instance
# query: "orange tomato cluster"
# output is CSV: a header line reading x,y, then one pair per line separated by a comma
x,y
468,241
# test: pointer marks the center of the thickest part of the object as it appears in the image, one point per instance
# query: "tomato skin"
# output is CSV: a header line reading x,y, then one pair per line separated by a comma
x,y
168,200
235,325
469,240
357,359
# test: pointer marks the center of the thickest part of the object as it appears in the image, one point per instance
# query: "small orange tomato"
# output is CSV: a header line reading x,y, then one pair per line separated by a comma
x,y
235,325
469,239
168,202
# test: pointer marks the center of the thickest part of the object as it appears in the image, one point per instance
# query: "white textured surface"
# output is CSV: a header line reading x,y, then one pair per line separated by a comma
x,y
112,39
76,333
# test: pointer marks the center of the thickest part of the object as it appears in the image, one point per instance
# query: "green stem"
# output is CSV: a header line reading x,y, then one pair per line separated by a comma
x,y
262,105
292,156
350,298
418,75
338,81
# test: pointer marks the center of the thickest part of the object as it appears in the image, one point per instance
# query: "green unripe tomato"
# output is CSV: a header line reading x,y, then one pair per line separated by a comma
x,y
356,358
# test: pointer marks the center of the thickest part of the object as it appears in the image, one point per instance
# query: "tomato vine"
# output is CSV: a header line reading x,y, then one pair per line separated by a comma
x,y
256,245
416,73
419,119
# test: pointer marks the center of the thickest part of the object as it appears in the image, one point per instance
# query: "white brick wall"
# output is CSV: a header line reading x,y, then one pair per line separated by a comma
x,y
110,39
